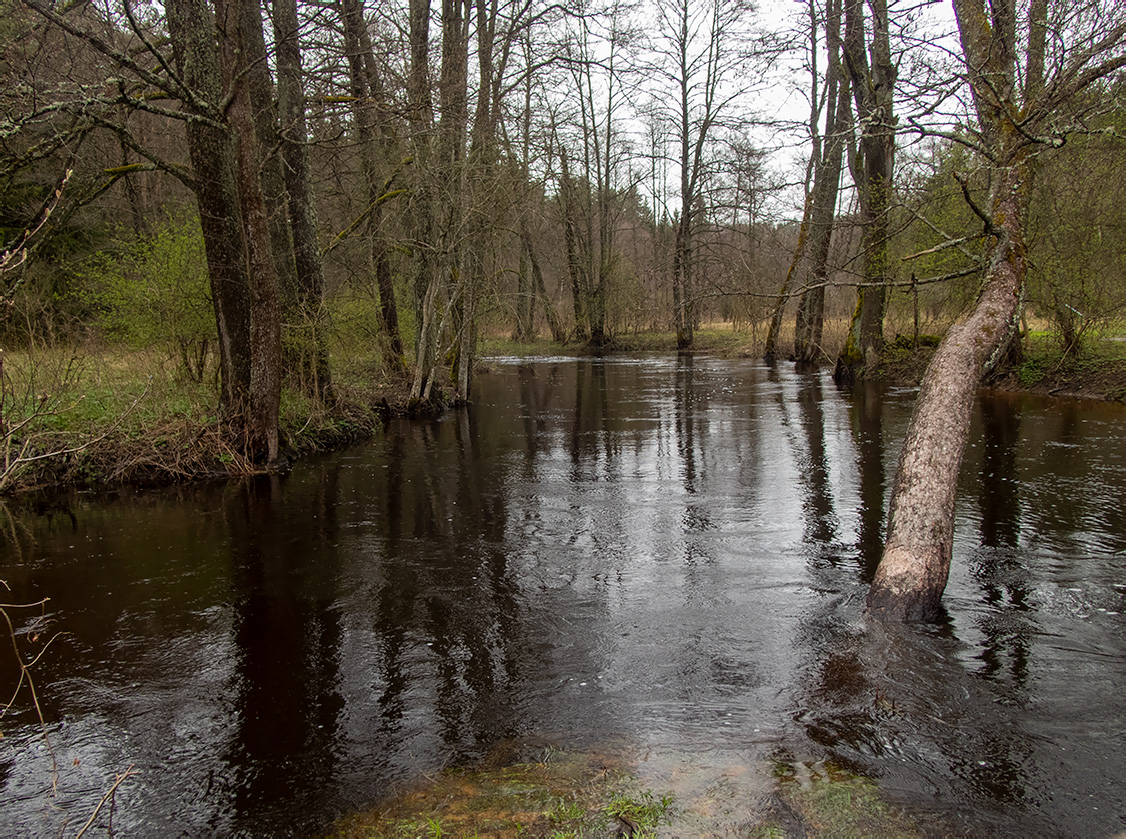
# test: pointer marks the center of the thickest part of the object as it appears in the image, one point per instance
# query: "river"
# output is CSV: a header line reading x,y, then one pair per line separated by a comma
x,y
665,554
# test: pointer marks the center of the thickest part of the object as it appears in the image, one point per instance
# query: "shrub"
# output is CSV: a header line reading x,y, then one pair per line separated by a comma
x,y
154,292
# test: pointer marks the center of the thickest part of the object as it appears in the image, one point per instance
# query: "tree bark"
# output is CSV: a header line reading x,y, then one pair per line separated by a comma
x,y
913,571
873,87
912,574
265,312
826,184
367,105
211,151
293,134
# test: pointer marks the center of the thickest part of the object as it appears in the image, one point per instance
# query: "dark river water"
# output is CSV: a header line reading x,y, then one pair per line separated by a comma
x,y
662,555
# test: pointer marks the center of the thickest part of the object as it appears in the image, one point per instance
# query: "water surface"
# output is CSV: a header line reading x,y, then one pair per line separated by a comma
x,y
663,555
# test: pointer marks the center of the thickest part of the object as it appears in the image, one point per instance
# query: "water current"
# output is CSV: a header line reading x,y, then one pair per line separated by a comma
x,y
665,555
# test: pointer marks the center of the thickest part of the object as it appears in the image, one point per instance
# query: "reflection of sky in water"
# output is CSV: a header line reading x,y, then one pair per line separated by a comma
x,y
669,554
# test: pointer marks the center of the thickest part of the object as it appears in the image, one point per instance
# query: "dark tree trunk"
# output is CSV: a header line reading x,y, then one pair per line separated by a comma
x,y
826,183
265,312
873,87
211,151
370,133
263,108
770,350
420,216
576,264
302,207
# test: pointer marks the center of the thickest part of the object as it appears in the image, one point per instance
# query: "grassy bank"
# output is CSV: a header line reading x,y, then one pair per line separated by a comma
x,y
110,416
1098,372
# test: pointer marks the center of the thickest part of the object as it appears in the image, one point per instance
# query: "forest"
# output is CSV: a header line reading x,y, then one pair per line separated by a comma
x,y
234,233
260,210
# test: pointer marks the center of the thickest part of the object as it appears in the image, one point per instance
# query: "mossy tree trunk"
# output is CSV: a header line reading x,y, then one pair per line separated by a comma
x,y
293,135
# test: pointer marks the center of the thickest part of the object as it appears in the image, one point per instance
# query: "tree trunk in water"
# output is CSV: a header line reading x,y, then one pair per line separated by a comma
x,y
826,183
912,573
302,207
682,282
770,349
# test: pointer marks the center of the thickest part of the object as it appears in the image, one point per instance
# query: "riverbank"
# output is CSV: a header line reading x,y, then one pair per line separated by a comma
x,y
1098,373
110,417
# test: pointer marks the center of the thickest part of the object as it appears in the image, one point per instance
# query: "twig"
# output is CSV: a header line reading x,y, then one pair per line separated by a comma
x,y
25,675
109,794
10,466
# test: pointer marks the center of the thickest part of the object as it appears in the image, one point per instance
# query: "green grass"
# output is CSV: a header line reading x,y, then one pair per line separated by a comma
x,y
1097,371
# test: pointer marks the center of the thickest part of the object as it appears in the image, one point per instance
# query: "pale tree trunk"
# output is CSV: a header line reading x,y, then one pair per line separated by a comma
x,y
912,574
873,87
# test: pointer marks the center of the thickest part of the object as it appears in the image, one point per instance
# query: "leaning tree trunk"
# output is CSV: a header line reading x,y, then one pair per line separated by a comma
x,y
912,574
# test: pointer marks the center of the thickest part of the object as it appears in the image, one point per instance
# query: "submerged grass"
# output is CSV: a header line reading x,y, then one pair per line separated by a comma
x,y
574,795
821,799
559,794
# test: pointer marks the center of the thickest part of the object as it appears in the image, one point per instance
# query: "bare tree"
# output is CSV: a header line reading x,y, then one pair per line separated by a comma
x,y
293,140
370,120
826,184
703,44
